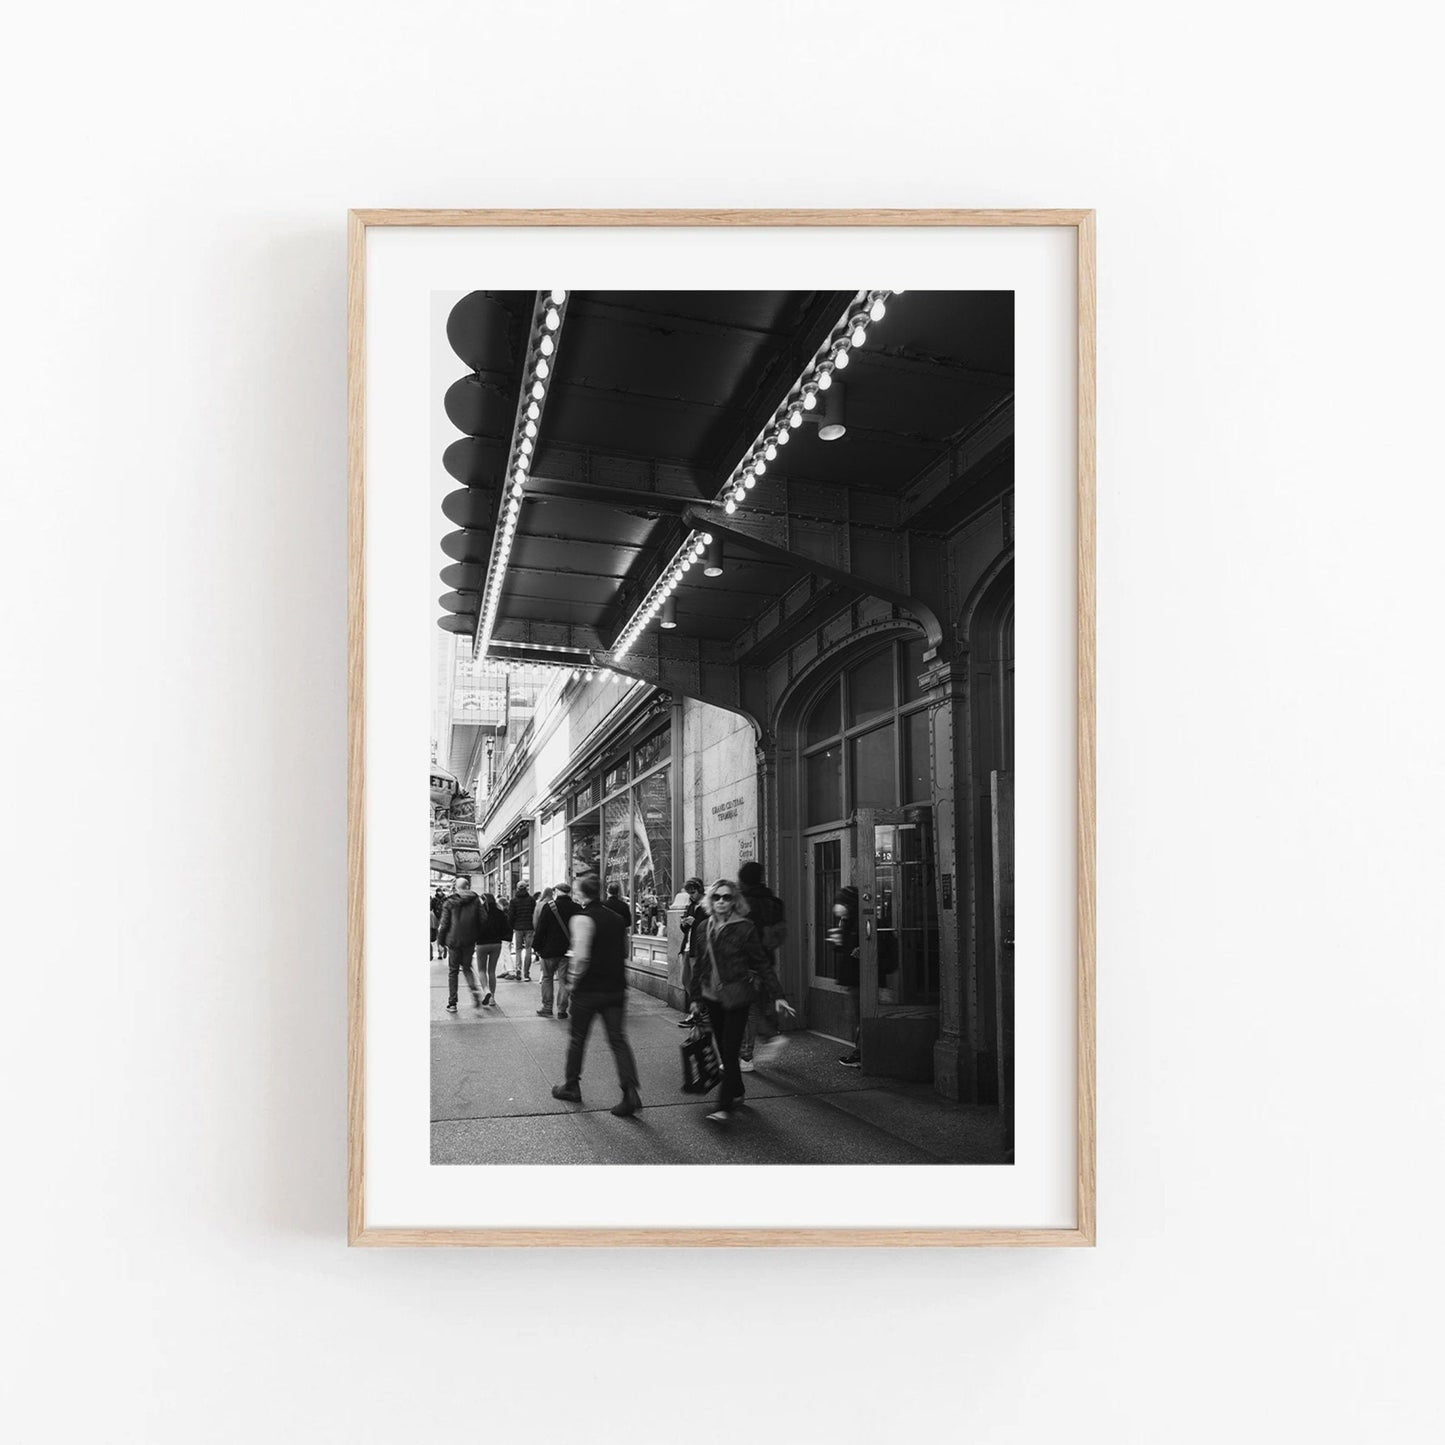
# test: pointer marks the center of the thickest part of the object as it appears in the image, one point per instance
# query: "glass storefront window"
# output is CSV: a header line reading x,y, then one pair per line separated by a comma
x,y
825,786
615,777
584,849
870,688
875,781
824,721
654,750
652,853
917,767
616,836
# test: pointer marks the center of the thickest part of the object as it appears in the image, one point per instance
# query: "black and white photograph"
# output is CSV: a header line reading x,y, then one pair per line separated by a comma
x,y
722,729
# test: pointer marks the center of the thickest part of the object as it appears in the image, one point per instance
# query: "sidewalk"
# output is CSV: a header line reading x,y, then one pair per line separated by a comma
x,y
491,1102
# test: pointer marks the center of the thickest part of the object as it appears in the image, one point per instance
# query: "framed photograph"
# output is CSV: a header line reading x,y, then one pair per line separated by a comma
x,y
744,627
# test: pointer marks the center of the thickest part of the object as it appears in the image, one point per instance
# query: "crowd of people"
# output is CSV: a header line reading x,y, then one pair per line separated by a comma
x,y
580,940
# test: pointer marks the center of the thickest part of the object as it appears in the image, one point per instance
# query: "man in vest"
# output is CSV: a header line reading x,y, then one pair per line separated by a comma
x,y
598,978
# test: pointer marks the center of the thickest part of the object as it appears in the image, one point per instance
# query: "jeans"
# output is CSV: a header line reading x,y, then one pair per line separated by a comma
x,y
459,959
487,955
555,970
522,952
728,1026
760,1025
585,1007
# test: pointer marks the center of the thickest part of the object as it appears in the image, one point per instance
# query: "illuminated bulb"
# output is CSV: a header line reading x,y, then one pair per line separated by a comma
x,y
538,391
707,539
553,319
759,467
795,416
533,412
810,399
686,563
750,483
558,297
700,547
542,368
546,346
531,428
840,356
516,489
860,334
877,311
825,377
739,494
898,293
526,446
783,436
523,462
732,506
770,451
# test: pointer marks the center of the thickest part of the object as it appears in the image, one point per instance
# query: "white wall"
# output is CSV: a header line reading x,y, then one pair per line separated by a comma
x,y
1271,779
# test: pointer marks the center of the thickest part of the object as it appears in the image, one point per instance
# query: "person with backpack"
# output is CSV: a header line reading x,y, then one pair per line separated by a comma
x,y
438,902
459,931
765,909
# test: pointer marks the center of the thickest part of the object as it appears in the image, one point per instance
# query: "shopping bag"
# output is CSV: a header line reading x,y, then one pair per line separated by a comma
x,y
701,1066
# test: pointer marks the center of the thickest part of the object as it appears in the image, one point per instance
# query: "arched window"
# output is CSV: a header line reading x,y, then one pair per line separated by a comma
x,y
865,739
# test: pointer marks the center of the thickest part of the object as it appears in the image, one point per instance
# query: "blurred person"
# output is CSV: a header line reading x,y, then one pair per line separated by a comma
x,y
459,931
734,971
597,977
765,910
844,938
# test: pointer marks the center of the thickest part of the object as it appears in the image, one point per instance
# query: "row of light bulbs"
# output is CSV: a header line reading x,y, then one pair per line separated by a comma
x,y
540,361
851,333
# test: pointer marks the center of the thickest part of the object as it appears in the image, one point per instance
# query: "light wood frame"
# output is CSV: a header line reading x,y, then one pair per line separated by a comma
x,y
1082,222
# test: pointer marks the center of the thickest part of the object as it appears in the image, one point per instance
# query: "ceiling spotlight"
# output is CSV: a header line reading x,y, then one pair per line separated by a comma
x,y
558,297
877,311
831,424
860,331
669,613
546,346
840,355
713,562
554,320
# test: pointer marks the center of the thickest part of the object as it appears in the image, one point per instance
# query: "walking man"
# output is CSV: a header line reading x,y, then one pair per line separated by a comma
x,y
598,978
459,930
523,906
551,941
618,904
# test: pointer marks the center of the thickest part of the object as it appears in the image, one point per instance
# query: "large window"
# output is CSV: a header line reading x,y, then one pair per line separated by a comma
x,y
621,827
866,738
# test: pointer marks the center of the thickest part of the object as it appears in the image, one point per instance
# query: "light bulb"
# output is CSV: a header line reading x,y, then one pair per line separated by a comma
x,y
516,489
543,367
731,506
739,494
795,416
538,391
701,546
751,483
533,410
810,399
686,563
514,506
558,297
860,334
553,319
531,428
707,539
825,377
523,462
759,467
783,436
770,451
546,346
526,446
877,311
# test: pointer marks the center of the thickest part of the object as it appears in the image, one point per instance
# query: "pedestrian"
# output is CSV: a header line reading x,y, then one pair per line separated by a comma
x,y
618,904
459,931
543,899
735,970
438,902
551,942
496,930
522,909
844,938
766,912
598,980
693,914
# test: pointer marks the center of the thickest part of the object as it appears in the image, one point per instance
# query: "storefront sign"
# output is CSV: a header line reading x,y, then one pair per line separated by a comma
x,y
730,809
747,848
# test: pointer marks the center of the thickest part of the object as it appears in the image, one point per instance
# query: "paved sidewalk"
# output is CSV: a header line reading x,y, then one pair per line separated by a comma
x,y
492,1077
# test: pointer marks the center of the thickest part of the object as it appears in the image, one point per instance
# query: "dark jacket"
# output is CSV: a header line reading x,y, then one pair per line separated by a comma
x,y
462,921
606,971
438,902
496,925
551,940
523,907
744,967
620,909
765,910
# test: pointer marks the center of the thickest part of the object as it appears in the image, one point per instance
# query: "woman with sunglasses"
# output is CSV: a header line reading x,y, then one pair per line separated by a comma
x,y
733,969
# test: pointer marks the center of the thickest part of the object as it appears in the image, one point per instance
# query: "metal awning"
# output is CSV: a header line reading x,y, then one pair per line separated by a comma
x,y
653,400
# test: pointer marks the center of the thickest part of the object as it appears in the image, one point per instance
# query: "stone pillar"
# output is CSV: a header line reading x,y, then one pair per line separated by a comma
x,y
954,1072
